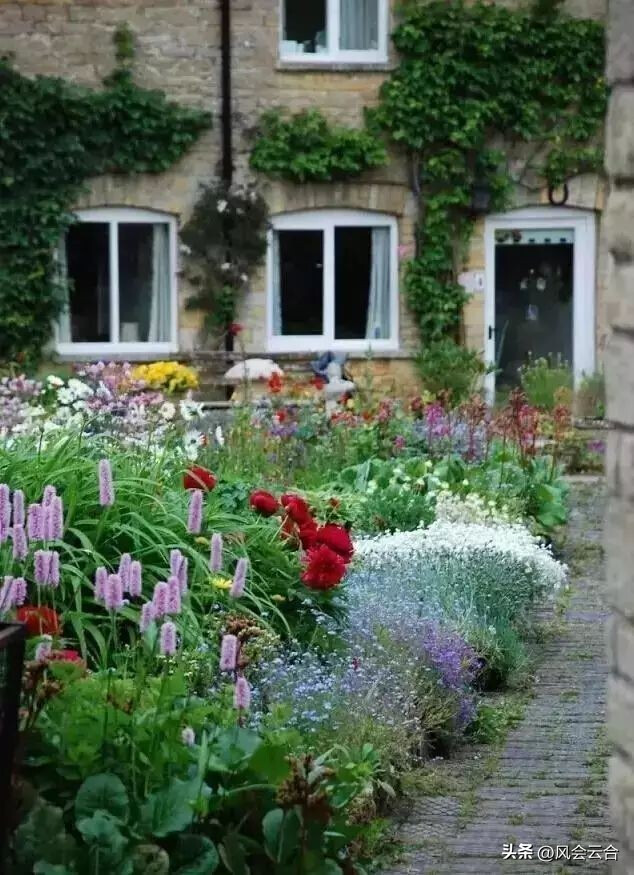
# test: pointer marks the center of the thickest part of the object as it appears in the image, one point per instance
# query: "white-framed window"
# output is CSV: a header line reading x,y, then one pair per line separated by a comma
x,y
120,264
332,281
327,31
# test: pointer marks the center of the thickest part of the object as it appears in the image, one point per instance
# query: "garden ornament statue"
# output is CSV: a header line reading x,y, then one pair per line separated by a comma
x,y
330,367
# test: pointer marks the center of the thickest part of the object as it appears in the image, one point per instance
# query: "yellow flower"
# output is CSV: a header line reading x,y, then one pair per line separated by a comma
x,y
278,598
221,582
170,376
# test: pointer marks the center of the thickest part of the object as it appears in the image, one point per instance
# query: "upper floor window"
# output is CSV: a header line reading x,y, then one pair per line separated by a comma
x,y
120,268
333,281
334,30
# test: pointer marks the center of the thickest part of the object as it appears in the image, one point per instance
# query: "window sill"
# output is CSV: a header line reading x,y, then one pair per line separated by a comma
x,y
119,353
332,65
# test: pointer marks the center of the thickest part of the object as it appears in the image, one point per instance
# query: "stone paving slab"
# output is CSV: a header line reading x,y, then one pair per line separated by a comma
x,y
548,786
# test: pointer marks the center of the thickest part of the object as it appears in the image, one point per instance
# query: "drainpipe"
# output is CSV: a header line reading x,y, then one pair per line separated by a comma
x,y
226,120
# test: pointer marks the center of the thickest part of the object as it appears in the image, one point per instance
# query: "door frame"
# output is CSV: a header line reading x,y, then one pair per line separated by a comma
x,y
583,222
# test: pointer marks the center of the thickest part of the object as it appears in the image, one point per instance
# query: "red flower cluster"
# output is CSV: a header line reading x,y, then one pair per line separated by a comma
x,y
328,547
65,656
39,620
275,383
197,477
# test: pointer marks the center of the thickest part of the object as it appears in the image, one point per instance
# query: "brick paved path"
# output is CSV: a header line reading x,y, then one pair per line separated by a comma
x,y
548,785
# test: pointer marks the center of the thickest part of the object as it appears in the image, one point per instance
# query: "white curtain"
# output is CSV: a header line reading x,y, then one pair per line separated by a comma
x,y
63,323
359,24
378,324
276,285
160,328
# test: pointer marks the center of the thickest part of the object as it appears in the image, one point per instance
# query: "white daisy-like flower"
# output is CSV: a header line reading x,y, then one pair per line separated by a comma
x,y
81,390
54,382
167,411
190,410
65,395
192,442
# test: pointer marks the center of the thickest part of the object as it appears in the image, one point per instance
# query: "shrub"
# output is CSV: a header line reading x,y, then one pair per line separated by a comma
x,y
546,382
446,367
589,398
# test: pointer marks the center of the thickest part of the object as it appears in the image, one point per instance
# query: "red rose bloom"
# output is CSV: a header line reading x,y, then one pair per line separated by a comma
x,y
336,538
324,568
39,620
199,478
263,502
308,534
296,508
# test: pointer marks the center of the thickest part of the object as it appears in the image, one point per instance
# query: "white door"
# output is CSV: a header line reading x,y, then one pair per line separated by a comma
x,y
540,290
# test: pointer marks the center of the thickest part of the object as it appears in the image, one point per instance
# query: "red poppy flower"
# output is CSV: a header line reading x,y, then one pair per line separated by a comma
x,y
65,655
336,538
199,478
275,383
308,534
324,568
263,502
296,508
39,620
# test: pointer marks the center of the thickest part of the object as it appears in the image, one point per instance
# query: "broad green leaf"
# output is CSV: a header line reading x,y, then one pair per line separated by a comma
x,y
104,792
194,855
170,810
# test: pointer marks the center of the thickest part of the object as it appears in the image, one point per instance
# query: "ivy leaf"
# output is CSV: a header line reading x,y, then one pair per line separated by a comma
x,y
104,792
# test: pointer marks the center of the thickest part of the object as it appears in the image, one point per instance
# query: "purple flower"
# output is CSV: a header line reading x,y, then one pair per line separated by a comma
x,y
161,599
148,615
135,587
242,694
49,494
182,574
228,653
6,595
167,639
18,508
106,486
41,566
195,516
176,557
101,581
19,591
35,522
124,571
5,512
53,569
188,736
113,600
20,546
215,559
56,514
239,579
174,600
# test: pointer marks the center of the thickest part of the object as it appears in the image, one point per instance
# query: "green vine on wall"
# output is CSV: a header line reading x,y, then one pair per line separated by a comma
x,y
306,148
54,136
480,91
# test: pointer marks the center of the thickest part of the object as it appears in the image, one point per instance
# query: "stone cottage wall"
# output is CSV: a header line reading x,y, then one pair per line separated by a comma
x,y
620,386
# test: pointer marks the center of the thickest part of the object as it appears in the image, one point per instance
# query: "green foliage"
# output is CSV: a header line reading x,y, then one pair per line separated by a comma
x,y
306,148
444,366
54,136
471,74
493,722
227,238
546,382
589,397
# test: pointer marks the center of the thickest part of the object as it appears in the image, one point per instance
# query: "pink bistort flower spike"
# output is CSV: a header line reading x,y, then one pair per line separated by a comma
x,y
114,593
242,694
135,587
148,615
167,639
195,515
19,591
47,525
56,512
41,566
5,512
182,575
6,594
161,599
53,569
174,601
35,522
18,508
49,494
215,558
106,485
20,546
239,579
101,581
228,653
124,571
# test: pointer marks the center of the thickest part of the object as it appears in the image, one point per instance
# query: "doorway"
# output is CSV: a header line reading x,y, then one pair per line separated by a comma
x,y
540,291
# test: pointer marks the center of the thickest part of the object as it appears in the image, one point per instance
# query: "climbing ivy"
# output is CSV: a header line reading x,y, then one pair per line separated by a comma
x,y
485,96
306,148
53,136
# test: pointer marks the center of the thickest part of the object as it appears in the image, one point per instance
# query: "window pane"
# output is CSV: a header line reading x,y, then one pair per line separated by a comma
x,y
359,25
144,282
88,271
304,27
362,283
298,306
